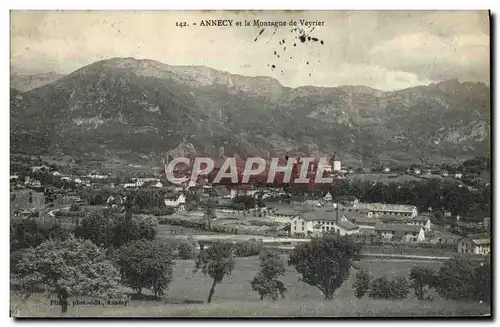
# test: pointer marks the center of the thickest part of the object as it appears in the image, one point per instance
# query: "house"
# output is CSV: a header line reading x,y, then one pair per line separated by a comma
x,y
420,220
364,222
444,173
379,209
327,197
386,170
474,245
39,168
400,232
174,201
56,173
458,175
159,185
417,171
337,166
446,239
346,199
392,219
321,221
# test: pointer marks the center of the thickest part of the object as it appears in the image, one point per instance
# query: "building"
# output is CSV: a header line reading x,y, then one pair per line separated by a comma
x,y
379,209
175,201
337,166
327,197
474,245
364,222
444,173
386,170
417,171
322,221
400,232
458,175
423,221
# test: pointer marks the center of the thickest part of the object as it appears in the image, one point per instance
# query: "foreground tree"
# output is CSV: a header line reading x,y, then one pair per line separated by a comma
x,y
460,278
216,261
108,229
146,264
70,267
325,262
454,279
421,277
266,282
361,283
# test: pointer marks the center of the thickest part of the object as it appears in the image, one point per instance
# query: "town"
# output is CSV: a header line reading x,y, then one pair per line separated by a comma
x,y
256,210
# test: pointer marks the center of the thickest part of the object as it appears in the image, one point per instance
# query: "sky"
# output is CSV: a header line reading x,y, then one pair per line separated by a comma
x,y
386,50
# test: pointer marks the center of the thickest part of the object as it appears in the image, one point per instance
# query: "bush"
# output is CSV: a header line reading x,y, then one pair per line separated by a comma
x,y
361,283
248,248
187,250
382,288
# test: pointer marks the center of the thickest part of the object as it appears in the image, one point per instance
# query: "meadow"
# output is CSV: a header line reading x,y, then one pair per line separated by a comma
x,y
234,297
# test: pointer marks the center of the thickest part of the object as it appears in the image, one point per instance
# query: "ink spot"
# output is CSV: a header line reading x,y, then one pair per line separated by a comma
x,y
307,63
302,38
321,42
315,39
295,44
273,66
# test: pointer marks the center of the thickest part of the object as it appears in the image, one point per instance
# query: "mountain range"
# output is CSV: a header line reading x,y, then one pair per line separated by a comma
x,y
143,109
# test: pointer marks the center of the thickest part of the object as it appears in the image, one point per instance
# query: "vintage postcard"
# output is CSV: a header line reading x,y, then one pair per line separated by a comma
x,y
250,164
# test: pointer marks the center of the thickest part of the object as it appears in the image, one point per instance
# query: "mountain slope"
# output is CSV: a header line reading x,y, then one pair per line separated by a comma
x,y
142,108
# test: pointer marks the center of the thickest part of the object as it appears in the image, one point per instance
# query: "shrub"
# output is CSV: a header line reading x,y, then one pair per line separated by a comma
x,y
382,288
187,250
361,283
248,248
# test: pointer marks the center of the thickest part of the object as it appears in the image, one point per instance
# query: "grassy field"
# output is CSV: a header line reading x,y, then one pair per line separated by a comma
x,y
234,297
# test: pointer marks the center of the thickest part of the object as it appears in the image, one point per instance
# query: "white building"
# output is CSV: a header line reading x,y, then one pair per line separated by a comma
x,y
327,197
400,232
177,202
379,209
337,166
474,245
317,222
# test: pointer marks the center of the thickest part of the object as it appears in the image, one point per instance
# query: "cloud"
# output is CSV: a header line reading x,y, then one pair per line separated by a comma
x,y
381,49
436,57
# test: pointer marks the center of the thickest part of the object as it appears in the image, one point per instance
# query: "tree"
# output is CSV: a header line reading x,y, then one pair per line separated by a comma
x,y
209,211
108,229
382,288
216,261
70,267
461,278
146,264
325,262
187,250
361,283
266,282
421,277
454,279
30,232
